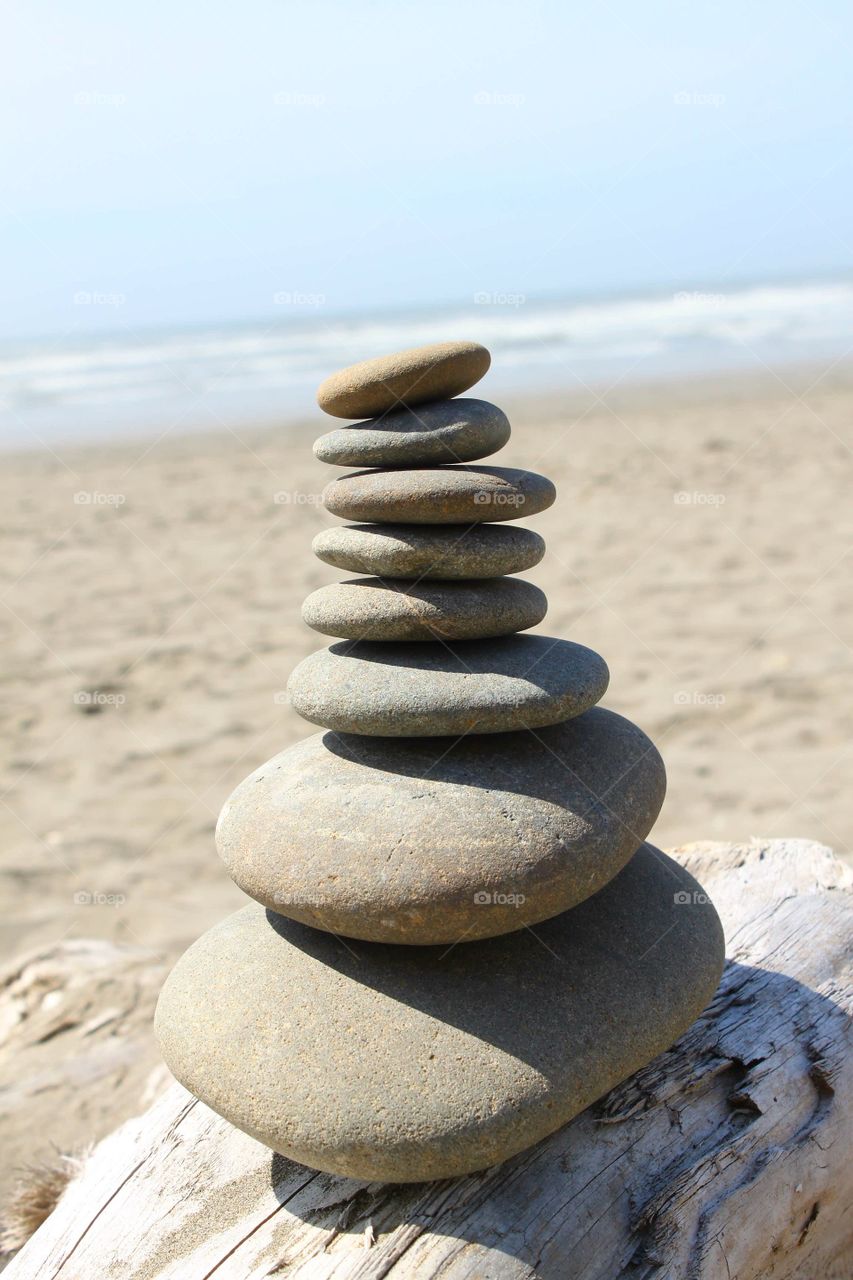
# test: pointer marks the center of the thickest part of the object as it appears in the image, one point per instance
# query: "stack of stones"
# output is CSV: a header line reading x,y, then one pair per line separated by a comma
x,y
459,939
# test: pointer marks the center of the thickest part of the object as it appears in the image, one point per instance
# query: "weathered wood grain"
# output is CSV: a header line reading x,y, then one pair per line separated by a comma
x,y
728,1158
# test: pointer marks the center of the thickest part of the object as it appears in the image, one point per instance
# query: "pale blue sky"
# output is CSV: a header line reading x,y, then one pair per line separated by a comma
x,y
194,159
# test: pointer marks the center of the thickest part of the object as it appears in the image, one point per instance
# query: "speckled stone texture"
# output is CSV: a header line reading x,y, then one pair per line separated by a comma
x,y
430,551
394,609
439,495
430,689
409,1063
425,841
444,431
459,939
411,377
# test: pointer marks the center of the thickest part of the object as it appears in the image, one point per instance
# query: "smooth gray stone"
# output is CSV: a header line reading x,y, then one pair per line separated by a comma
x,y
430,551
412,841
409,1063
442,431
433,372
439,495
431,689
394,609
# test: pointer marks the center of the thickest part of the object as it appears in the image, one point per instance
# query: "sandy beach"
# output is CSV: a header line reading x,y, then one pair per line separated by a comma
x,y
151,596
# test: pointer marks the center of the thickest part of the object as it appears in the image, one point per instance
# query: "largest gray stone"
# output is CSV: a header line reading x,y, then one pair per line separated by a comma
x,y
408,1063
444,431
439,495
412,841
434,688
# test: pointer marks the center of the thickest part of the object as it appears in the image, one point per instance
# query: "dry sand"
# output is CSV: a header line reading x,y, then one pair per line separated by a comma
x,y
700,541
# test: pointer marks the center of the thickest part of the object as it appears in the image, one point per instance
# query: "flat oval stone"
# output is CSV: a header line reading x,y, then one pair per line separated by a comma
x,y
430,551
439,495
434,372
434,689
401,1064
442,431
412,841
392,609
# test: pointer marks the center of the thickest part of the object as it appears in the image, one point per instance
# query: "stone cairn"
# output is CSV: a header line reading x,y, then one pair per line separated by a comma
x,y
459,939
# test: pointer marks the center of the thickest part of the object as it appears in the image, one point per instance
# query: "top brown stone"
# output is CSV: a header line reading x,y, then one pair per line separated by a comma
x,y
373,387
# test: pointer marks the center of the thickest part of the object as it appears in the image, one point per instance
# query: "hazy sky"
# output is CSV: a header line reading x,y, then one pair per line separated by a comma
x,y
186,162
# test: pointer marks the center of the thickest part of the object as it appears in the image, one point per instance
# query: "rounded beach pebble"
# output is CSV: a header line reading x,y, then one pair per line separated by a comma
x,y
422,690
434,372
388,609
439,495
444,431
430,551
403,1064
420,842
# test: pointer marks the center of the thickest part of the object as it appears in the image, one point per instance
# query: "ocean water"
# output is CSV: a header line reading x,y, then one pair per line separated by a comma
x,y
131,382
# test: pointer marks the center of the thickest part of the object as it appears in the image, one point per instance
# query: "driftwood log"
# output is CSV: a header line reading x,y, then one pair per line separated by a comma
x,y
75,1024
728,1158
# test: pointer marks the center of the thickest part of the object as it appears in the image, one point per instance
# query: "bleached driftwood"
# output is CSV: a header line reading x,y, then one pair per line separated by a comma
x,y
728,1158
76,1050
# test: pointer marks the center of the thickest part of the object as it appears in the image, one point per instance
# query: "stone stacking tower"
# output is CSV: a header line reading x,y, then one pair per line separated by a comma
x,y
459,939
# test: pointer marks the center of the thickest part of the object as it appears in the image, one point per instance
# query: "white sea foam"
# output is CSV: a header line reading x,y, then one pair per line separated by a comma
x,y
269,367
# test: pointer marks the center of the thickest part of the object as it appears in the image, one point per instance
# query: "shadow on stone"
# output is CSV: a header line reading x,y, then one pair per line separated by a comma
x,y
626,970
541,660
724,1051
597,759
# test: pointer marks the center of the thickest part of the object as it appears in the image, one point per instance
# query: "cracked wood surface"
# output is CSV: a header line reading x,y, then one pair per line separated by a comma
x,y
727,1158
